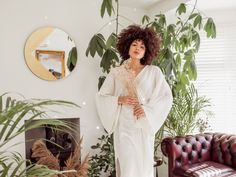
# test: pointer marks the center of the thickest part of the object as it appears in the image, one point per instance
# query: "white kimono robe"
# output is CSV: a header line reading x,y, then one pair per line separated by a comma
x,y
134,138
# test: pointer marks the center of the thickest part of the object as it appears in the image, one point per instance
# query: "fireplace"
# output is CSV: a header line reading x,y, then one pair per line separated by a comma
x,y
65,138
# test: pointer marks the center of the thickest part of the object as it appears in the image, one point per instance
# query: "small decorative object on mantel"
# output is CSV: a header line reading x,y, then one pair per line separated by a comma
x,y
50,53
44,157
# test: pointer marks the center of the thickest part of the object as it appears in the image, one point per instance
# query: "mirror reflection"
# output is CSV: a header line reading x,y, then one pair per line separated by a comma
x,y
50,53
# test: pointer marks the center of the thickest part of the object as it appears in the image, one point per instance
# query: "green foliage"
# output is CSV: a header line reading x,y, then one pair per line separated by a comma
x,y
106,5
13,112
181,41
104,161
105,49
72,59
188,114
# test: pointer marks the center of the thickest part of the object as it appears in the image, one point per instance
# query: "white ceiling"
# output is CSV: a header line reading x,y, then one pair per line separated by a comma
x,y
201,4
141,4
215,4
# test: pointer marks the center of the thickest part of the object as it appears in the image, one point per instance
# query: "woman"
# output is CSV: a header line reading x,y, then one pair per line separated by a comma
x,y
134,102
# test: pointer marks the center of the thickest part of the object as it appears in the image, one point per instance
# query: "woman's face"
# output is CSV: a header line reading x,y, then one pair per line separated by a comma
x,y
137,49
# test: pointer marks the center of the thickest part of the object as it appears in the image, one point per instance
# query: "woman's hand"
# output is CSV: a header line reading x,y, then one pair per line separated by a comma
x,y
138,111
128,100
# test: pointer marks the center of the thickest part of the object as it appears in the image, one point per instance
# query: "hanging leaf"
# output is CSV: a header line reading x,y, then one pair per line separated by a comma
x,y
193,70
108,59
198,22
181,9
188,55
171,29
184,79
162,20
96,44
111,41
106,5
210,28
178,61
196,39
193,15
72,59
157,27
145,18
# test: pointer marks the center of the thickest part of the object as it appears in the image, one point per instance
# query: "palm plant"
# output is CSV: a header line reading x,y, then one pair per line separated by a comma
x,y
189,113
13,112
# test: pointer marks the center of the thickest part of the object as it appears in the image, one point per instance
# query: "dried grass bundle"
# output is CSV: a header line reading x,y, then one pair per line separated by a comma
x,y
43,156
74,163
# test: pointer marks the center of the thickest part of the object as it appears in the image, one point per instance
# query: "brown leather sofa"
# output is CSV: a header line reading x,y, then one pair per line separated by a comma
x,y
202,155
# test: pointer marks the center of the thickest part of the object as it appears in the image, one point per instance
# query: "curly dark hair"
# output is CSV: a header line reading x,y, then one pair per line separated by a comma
x,y
150,38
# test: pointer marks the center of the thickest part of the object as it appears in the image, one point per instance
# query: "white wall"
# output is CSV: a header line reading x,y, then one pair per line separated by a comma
x,y
80,19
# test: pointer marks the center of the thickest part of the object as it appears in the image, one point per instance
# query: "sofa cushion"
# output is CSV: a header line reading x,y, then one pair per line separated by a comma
x,y
203,169
228,174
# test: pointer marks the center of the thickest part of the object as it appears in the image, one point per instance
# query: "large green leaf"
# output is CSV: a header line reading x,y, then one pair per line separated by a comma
x,y
210,28
106,5
181,9
193,16
72,59
111,41
198,22
145,19
161,19
108,59
196,40
96,45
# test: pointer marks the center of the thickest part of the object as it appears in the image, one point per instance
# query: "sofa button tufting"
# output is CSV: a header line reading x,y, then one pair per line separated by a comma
x,y
204,145
199,155
190,157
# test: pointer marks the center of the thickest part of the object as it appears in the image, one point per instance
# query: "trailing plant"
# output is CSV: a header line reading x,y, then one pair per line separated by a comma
x,y
13,112
189,113
104,161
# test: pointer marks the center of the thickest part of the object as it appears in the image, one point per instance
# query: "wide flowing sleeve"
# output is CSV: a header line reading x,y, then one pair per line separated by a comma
x,y
159,104
107,103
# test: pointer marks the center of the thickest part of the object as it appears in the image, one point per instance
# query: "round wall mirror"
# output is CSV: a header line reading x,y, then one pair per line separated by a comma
x,y
50,53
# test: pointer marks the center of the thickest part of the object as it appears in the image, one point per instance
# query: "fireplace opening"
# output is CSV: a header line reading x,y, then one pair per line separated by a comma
x,y
61,143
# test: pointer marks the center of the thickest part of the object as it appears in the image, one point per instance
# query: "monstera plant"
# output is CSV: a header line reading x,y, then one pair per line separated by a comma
x,y
13,112
180,43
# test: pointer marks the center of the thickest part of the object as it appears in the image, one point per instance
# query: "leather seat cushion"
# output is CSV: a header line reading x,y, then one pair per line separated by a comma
x,y
203,169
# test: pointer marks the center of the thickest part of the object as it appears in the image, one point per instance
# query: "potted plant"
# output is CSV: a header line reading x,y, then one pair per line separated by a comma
x,y
13,112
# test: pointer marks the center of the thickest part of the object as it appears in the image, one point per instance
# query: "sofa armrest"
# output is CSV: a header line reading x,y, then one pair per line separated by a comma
x,y
224,149
184,150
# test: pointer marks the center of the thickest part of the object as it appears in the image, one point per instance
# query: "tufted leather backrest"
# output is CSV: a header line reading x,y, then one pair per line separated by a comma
x,y
186,150
224,149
